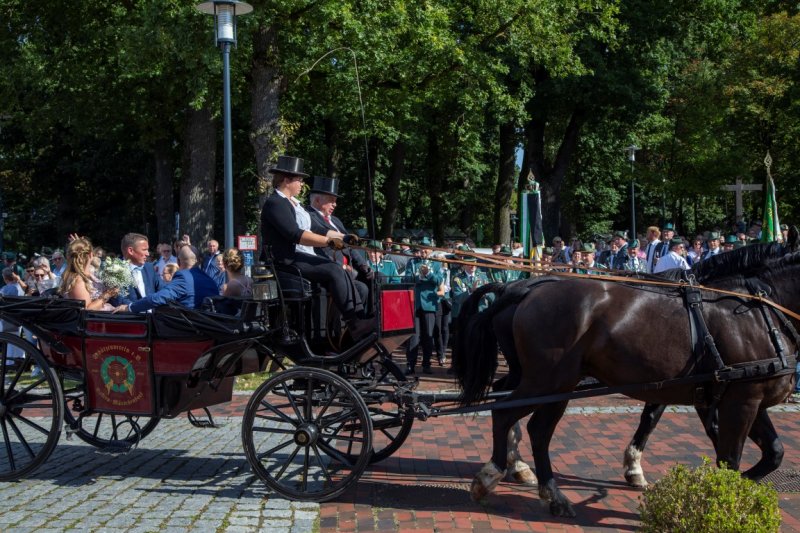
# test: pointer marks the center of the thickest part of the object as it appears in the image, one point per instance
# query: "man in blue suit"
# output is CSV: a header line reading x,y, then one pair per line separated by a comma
x,y
136,249
189,287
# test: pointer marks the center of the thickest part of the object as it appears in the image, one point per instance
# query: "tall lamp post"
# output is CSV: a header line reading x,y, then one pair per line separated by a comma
x,y
514,219
630,151
225,13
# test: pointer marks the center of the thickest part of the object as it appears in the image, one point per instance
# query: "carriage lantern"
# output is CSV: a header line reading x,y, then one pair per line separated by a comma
x,y
225,13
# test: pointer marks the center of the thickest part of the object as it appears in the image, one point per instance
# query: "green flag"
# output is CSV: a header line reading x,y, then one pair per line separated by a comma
x,y
770,225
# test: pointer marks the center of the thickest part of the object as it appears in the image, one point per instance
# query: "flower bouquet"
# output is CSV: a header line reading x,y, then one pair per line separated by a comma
x,y
116,275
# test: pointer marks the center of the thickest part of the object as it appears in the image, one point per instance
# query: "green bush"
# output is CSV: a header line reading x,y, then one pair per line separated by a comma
x,y
709,499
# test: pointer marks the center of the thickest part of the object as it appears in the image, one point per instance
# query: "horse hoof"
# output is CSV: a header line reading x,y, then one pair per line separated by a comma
x,y
636,480
485,481
563,509
522,473
477,491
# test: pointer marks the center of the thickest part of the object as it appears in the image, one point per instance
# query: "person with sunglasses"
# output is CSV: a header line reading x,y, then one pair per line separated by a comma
x,y
59,265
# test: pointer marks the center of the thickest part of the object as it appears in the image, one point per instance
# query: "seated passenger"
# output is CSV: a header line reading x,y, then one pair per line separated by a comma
x,y
78,281
189,287
238,283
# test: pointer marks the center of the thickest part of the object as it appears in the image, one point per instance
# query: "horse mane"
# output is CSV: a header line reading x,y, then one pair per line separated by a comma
x,y
738,264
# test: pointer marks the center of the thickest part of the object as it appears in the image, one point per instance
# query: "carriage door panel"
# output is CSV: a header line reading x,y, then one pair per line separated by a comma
x,y
119,364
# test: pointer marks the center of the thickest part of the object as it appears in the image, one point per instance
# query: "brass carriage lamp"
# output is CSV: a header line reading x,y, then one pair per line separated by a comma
x,y
225,13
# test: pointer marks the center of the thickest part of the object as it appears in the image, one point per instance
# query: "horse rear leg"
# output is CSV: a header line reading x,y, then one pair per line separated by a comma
x,y
490,475
764,435
541,427
632,461
518,470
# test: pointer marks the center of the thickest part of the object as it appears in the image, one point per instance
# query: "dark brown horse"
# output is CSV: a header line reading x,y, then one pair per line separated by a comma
x,y
630,333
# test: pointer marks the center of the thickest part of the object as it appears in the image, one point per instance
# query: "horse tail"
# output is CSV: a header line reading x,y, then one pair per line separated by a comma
x,y
475,347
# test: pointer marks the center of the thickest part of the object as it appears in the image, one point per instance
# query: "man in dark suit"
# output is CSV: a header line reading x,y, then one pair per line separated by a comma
x,y
189,287
136,249
323,197
286,232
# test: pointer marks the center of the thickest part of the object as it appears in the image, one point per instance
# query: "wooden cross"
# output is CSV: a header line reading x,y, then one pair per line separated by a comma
x,y
739,188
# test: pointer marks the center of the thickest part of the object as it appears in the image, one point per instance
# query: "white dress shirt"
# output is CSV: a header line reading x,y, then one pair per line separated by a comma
x,y
669,261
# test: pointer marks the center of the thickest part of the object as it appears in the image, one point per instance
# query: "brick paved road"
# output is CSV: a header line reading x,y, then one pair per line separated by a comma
x,y
183,478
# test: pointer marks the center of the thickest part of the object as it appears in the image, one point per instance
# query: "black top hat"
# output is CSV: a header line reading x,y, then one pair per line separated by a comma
x,y
325,185
289,165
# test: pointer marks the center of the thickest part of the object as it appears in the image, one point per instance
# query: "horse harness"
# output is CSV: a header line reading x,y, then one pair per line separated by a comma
x,y
708,394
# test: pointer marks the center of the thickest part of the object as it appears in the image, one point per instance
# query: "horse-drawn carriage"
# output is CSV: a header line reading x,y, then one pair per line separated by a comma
x,y
310,430
325,413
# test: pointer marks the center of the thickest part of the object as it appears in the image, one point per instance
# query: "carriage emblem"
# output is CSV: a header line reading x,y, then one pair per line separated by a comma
x,y
117,374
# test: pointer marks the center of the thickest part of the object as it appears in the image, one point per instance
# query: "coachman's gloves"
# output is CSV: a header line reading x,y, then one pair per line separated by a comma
x,y
336,244
351,240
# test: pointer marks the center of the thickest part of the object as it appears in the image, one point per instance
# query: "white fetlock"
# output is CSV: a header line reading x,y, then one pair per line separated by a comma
x,y
485,481
632,463
520,472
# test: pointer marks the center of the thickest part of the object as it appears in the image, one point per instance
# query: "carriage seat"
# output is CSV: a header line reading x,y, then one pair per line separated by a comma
x,y
175,321
293,284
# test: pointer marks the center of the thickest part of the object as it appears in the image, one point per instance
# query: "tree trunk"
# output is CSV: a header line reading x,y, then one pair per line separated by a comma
x,y
505,183
198,184
266,87
435,177
391,189
334,154
552,176
165,201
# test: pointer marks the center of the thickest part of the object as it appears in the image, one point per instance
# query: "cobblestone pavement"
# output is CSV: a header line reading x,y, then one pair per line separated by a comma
x,y
180,479
184,479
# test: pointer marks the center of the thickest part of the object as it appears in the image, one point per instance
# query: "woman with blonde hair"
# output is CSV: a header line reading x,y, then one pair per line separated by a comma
x,y
78,281
238,283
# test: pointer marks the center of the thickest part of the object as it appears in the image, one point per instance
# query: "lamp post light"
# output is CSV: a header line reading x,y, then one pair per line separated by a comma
x,y
630,151
225,13
514,219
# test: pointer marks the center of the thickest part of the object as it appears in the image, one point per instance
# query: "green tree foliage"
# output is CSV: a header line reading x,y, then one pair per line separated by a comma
x,y
93,95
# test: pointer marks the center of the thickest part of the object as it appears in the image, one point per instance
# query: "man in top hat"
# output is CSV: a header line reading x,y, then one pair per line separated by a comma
x,y
323,197
785,232
634,262
674,259
713,245
286,232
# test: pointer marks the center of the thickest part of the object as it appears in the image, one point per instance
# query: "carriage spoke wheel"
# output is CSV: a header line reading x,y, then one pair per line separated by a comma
x,y
307,433
377,381
31,408
110,432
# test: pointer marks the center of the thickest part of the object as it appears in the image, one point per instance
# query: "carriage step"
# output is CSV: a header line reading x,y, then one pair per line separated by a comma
x,y
203,421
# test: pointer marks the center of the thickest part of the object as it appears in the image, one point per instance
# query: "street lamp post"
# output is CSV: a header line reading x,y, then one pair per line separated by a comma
x,y
630,151
225,13
514,220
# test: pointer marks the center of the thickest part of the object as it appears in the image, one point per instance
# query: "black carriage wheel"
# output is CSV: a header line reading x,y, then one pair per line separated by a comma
x,y
31,408
101,430
391,424
307,433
